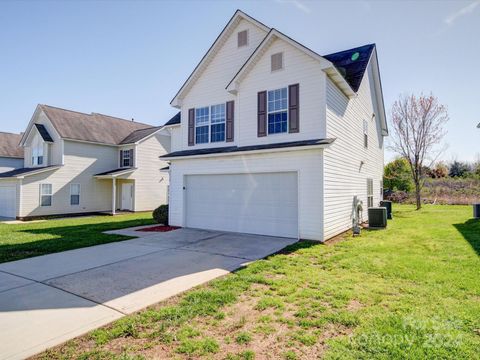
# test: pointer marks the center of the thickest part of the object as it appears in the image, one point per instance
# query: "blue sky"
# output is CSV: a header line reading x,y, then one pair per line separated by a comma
x,y
128,59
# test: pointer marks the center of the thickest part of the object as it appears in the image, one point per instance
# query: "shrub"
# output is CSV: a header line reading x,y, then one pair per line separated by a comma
x,y
459,169
397,175
397,196
160,214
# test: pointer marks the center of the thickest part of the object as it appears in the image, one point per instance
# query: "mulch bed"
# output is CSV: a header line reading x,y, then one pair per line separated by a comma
x,y
160,228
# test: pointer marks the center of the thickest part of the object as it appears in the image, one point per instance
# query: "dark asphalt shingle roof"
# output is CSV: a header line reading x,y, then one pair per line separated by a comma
x,y
139,135
43,133
9,145
93,127
113,172
233,149
352,63
174,120
24,171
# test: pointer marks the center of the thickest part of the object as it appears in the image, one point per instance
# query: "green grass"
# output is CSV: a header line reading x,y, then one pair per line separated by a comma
x,y
410,291
19,241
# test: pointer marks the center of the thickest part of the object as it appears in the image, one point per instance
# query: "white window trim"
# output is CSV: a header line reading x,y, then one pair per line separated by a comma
x,y
123,152
210,124
79,194
277,111
42,194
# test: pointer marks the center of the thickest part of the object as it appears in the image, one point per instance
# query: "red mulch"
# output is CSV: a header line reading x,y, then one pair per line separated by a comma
x,y
160,228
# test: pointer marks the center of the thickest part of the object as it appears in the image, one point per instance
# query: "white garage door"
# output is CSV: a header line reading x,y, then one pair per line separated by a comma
x,y
7,201
263,204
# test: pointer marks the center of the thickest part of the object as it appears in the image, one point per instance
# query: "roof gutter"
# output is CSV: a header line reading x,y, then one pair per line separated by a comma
x,y
247,152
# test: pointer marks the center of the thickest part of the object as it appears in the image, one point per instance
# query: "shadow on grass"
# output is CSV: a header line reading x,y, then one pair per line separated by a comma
x,y
470,230
66,238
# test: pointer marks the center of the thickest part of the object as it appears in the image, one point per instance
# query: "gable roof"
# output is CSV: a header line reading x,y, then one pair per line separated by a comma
x,y
176,119
28,171
10,145
98,128
42,130
234,20
352,63
274,34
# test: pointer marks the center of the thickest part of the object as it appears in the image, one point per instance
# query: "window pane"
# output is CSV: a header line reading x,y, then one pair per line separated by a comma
x,y
46,189
40,160
201,134
218,132
202,116
75,199
75,189
218,113
277,122
46,200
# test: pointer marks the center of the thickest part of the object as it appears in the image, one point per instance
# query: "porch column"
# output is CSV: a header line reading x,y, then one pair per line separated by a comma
x,y
114,195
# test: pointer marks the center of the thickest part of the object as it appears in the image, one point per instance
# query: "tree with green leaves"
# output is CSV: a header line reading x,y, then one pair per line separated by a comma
x,y
397,176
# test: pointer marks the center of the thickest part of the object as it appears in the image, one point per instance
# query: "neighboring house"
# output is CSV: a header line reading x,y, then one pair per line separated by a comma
x,y
79,163
273,138
11,154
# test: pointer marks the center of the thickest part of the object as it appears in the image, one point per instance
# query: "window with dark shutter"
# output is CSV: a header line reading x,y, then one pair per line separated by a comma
x,y
293,108
121,159
131,157
191,127
230,120
262,114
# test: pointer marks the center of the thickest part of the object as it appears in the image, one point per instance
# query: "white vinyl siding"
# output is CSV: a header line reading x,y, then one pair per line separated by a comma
x,y
307,163
151,184
209,88
302,70
82,162
347,162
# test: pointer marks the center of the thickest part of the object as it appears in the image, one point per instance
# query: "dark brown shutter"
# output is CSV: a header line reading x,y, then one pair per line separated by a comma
x,y
293,108
229,120
131,157
191,127
121,158
262,114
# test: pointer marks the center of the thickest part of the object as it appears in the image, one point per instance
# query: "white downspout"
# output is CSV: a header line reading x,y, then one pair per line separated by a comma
x,y
114,195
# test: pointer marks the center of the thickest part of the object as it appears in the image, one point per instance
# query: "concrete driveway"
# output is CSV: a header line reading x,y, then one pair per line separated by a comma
x,y
50,299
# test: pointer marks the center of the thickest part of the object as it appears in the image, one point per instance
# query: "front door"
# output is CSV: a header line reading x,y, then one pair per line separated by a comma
x,y
127,196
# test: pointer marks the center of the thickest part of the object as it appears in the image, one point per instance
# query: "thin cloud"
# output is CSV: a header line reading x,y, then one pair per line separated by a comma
x,y
454,16
300,5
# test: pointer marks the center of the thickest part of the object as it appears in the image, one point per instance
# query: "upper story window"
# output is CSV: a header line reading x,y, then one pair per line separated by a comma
x,y
37,151
277,61
278,111
242,38
210,124
126,158
365,133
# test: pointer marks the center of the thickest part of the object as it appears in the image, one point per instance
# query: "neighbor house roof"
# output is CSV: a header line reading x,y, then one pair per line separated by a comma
x,y
95,127
138,135
233,149
352,63
115,172
174,120
44,133
27,171
10,145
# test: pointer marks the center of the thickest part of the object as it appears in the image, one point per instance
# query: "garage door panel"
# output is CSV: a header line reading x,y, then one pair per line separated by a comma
x,y
254,203
8,197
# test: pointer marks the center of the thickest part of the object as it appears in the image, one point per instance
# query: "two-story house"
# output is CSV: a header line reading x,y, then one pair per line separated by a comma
x,y
78,163
273,138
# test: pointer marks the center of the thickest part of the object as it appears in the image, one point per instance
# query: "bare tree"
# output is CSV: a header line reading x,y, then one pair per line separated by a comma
x,y
418,129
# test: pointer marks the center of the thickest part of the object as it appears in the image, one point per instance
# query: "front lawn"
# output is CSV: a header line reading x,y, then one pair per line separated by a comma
x,y
411,291
18,241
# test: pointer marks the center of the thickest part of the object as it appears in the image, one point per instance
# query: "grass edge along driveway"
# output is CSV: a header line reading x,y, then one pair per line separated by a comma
x,y
410,291
20,241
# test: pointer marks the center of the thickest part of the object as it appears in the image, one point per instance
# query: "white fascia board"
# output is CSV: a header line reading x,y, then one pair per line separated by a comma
x,y
239,15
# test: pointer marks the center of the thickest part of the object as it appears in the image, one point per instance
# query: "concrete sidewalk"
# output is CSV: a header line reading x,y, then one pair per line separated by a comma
x,y
50,299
